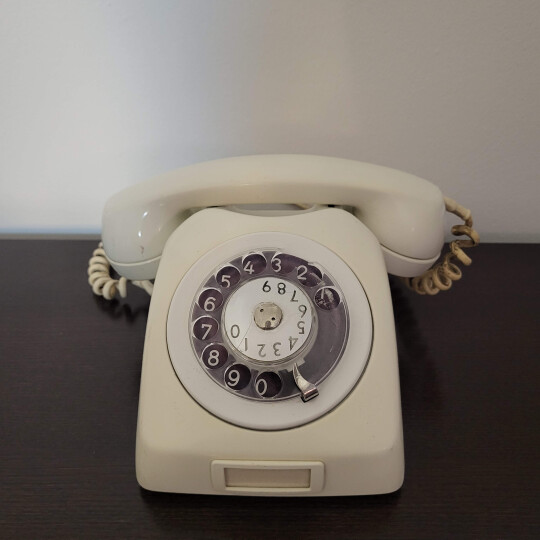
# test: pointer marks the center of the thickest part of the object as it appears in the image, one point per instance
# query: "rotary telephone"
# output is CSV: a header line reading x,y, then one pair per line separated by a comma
x,y
270,363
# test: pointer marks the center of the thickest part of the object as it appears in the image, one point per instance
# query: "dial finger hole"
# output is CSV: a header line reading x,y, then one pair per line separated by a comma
x,y
253,264
237,376
214,356
268,384
308,275
327,298
228,276
210,300
282,263
205,328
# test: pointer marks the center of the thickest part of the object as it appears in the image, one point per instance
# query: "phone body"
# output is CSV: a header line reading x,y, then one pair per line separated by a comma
x,y
270,363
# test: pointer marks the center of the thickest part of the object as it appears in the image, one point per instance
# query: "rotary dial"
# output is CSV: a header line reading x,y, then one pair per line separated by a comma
x,y
269,325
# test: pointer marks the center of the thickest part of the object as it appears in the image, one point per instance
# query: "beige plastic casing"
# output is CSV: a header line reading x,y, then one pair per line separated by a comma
x,y
355,449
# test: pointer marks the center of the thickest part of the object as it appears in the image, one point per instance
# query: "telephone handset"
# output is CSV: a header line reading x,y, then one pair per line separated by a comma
x,y
403,211
270,364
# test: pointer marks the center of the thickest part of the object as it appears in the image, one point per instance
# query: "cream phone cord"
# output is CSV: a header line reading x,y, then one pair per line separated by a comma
x,y
441,276
438,278
101,281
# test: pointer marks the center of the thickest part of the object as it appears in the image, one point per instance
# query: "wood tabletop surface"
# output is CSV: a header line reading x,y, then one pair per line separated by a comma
x,y
70,367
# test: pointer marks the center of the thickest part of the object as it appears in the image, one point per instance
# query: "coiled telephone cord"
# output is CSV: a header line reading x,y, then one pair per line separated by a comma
x,y
441,276
101,281
438,278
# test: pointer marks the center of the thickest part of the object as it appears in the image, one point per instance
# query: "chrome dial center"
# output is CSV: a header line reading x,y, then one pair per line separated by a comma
x,y
267,315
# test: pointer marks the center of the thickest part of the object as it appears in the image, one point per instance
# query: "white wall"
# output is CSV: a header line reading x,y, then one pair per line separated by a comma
x,y
98,95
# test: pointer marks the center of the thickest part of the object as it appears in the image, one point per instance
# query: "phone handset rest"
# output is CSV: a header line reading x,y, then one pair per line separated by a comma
x,y
404,212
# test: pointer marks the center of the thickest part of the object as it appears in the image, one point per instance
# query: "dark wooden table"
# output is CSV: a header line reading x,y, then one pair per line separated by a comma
x,y
69,383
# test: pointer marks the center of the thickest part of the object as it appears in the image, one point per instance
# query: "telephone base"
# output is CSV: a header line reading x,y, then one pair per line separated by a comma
x,y
353,447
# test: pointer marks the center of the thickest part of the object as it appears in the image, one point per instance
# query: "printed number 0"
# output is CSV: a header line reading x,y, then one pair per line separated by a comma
x,y
264,387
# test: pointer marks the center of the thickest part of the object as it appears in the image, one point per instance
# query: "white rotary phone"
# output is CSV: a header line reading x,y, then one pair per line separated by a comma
x,y
270,363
